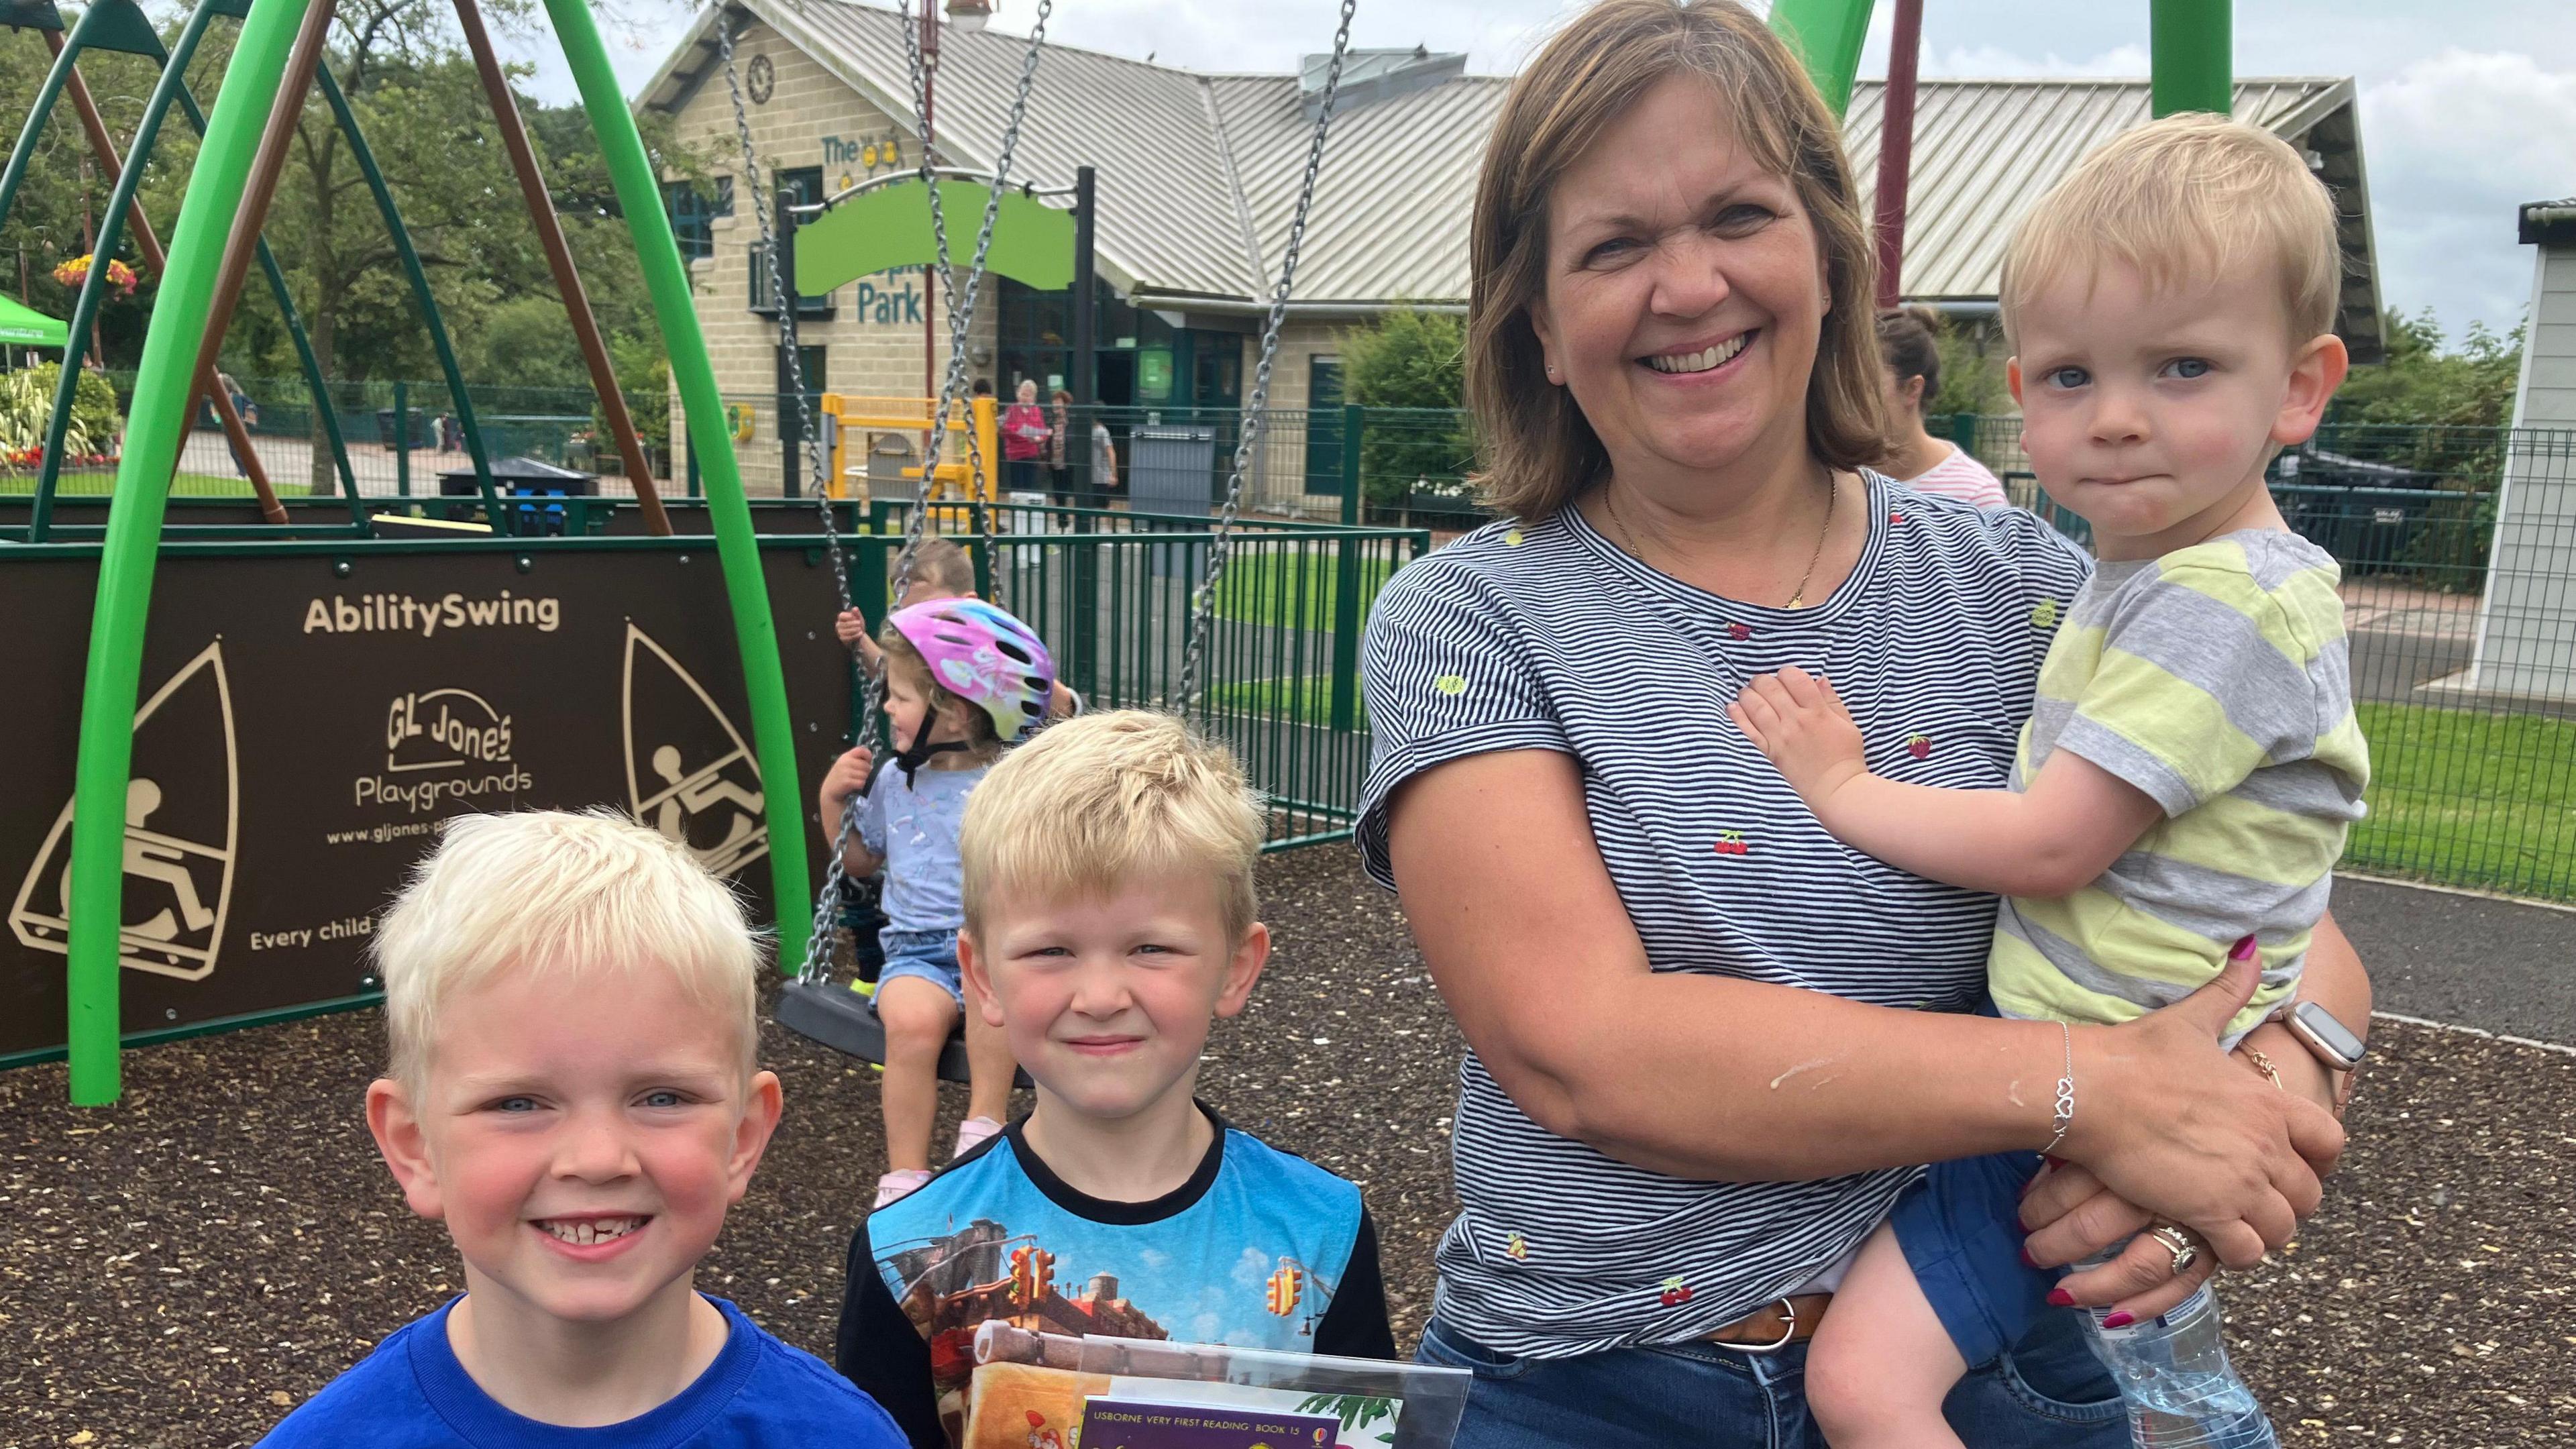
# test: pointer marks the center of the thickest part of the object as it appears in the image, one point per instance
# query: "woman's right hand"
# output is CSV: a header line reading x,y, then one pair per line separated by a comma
x,y
847,777
2166,1121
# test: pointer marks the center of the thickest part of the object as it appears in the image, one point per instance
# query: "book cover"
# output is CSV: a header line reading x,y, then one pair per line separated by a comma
x,y
1138,1424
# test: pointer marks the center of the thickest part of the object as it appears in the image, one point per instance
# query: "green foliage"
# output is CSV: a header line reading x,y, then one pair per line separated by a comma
x,y
644,375
1410,359
1972,370
27,405
2422,383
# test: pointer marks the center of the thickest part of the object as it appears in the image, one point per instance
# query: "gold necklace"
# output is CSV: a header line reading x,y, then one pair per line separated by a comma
x,y
1798,595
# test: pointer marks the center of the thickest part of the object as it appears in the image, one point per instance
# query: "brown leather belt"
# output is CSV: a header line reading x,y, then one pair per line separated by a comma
x,y
1775,1325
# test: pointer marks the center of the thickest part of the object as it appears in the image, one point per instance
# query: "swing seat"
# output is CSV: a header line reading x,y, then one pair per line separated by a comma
x,y
843,1020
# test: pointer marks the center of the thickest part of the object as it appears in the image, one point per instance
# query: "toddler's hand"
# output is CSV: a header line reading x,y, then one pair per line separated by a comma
x,y
847,777
851,626
1797,720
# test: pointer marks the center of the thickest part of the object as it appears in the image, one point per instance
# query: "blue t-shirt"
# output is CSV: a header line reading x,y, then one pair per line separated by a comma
x,y
999,1236
913,824
411,1393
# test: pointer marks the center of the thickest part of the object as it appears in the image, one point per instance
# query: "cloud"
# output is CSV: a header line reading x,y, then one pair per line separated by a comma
x,y
2454,143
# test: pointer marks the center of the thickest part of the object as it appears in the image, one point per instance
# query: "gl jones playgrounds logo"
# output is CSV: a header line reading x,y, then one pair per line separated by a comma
x,y
443,747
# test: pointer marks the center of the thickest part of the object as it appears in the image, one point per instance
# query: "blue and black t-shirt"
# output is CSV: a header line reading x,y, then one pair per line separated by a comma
x,y
1258,1249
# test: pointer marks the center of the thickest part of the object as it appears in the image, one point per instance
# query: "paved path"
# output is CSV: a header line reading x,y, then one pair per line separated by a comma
x,y
2500,966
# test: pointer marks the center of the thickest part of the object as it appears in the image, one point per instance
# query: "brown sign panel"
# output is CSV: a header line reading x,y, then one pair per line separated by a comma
x,y
302,730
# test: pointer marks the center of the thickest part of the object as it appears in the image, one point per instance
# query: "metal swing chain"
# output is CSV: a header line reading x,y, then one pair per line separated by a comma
x,y
1220,540
810,445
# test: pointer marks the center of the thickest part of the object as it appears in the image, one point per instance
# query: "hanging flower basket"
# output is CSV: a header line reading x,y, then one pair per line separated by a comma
x,y
120,277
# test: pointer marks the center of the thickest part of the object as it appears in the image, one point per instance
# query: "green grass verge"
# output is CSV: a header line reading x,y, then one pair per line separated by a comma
x,y
99,485
1292,588
2480,800
1306,701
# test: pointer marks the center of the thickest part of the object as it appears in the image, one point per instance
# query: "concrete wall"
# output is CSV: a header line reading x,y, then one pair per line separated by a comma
x,y
873,341
2527,625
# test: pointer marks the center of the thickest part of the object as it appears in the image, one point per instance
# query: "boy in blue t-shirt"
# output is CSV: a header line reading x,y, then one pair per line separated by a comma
x,y
570,1001
1107,870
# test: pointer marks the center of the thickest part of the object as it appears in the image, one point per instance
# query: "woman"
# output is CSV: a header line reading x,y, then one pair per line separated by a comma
x,y
1024,438
1700,1065
1060,477
1909,340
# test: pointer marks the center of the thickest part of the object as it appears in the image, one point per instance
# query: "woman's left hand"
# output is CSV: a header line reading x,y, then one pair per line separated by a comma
x,y
2070,1215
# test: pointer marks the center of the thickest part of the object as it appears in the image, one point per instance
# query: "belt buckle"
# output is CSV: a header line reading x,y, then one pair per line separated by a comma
x,y
1787,1333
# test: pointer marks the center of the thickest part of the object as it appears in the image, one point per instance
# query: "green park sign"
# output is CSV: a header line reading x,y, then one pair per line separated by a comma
x,y
890,227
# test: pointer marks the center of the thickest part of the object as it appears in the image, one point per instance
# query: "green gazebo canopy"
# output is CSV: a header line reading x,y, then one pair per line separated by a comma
x,y
25,325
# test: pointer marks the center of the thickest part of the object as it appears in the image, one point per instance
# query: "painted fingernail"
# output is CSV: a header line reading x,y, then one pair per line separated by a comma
x,y
2121,1319
2244,950
2060,1298
2027,1260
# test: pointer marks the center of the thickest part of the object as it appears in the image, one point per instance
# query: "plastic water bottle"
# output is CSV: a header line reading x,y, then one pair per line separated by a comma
x,y
2174,1376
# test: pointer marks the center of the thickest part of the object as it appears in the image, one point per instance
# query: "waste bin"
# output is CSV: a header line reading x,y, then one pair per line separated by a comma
x,y
524,478
1171,469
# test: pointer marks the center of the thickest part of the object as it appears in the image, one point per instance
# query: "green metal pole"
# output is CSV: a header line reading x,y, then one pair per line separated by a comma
x,y
419,279
111,230
402,440
34,131
1344,700
1827,35
2191,45
1354,423
154,430
666,278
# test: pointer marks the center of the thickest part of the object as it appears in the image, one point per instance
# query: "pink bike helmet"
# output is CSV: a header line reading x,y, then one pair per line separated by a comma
x,y
984,656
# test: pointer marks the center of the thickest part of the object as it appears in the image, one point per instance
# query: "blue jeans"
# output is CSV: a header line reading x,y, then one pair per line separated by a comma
x,y
2048,1393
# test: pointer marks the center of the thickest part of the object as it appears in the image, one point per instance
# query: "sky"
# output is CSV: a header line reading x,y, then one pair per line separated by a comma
x,y
2467,109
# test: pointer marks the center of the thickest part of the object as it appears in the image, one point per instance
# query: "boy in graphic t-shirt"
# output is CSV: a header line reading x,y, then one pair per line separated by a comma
x,y
1109,917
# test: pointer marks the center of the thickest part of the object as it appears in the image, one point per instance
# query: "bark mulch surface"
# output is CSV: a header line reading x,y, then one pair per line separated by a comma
x,y
184,1268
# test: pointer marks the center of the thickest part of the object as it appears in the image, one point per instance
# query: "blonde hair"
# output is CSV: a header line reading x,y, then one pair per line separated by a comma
x,y
1102,799
548,891
2190,197
943,565
1540,450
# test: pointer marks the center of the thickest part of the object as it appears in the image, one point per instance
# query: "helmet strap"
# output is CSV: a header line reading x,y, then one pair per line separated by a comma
x,y
911,758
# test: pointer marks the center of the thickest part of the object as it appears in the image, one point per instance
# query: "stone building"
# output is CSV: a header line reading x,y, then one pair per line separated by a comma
x,y
1198,174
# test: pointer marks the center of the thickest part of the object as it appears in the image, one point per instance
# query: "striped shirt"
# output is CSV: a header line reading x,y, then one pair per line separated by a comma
x,y
1543,636
2214,679
1962,477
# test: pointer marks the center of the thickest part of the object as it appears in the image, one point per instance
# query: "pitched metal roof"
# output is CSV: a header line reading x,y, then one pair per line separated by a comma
x,y
1199,172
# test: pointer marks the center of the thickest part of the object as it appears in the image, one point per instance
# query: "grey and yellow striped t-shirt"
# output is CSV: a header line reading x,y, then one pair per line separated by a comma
x,y
2216,680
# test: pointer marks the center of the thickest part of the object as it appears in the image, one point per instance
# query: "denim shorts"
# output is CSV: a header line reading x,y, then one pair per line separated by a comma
x,y
1960,1228
2049,1392
930,955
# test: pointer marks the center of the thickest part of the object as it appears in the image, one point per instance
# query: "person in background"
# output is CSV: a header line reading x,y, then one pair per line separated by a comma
x,y
1909,344
1104,461
1024,438
1060,476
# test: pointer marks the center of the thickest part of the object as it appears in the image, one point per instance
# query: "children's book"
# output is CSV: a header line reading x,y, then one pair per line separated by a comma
x,y
1136,1424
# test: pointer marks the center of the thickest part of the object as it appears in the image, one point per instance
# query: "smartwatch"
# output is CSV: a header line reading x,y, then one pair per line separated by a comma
x,y
2328,1040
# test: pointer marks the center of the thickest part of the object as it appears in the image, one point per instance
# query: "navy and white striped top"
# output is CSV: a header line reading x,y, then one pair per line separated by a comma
x,y
1545,636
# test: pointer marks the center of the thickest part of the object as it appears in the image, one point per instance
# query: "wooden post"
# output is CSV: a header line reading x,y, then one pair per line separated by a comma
x,y
576,300
1896,147
267,164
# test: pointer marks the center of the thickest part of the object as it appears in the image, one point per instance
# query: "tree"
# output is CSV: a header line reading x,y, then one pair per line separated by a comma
x,y
1411,363
2423,383
63,198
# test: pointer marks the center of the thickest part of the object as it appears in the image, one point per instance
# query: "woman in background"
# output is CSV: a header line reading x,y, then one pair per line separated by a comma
x,y
1909,346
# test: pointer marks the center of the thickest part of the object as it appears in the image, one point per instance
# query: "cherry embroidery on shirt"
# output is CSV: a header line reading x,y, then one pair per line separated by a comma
x,y
1515,1247
2043,615
1896,518
1731,842
1739,631
1675,1292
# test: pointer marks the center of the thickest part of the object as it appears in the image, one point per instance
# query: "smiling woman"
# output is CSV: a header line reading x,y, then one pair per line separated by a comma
x,y
1708,1043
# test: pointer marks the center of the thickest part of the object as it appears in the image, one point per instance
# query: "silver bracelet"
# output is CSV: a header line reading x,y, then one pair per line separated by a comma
x,y
2065,1115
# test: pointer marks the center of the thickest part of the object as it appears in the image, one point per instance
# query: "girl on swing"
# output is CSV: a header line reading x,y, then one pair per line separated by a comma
x,y
963,680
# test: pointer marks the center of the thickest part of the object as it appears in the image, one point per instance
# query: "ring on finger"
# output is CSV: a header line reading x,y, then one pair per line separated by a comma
x,y
2177,1241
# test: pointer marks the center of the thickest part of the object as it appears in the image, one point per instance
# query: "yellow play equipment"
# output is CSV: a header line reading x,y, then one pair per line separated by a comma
x,y
956,481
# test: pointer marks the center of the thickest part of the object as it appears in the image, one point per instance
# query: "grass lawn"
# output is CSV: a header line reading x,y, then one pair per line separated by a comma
x,y
99,485
1293,587
1307,701
2471,799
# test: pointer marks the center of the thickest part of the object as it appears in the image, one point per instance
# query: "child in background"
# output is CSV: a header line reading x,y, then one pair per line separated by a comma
x,y
1109,917
940,570
963,679
2192,762
570,1001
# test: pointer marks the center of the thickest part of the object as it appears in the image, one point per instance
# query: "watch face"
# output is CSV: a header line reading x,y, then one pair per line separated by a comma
x,y
2319,1028
761,79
